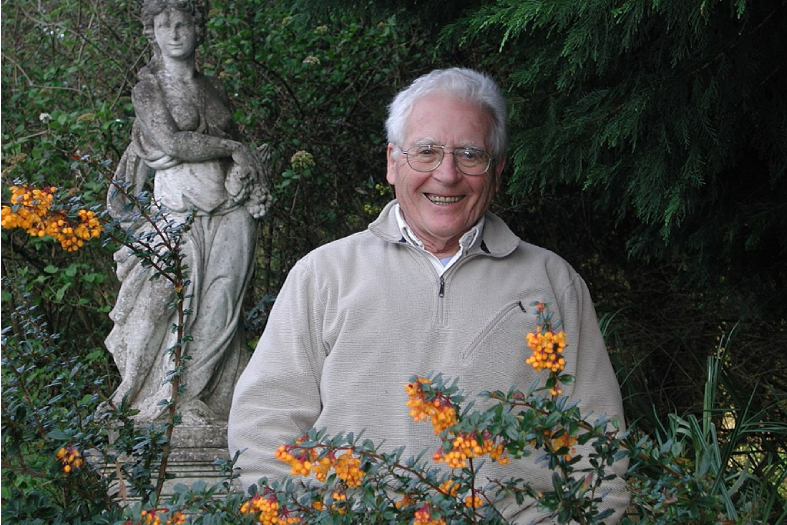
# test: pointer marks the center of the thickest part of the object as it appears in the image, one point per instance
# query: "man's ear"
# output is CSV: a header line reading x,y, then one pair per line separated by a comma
x,y
390,174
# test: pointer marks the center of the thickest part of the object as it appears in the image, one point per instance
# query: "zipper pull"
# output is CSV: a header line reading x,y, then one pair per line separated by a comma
x,y
442,287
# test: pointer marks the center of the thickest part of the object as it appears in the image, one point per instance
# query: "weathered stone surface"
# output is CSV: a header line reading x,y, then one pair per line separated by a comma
x,y
210,188
185,151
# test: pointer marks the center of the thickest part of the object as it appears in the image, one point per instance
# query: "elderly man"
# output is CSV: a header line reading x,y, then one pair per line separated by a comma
x,y
436,283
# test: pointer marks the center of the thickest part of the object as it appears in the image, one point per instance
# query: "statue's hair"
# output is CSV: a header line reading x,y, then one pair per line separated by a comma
x,y
196,9
464,84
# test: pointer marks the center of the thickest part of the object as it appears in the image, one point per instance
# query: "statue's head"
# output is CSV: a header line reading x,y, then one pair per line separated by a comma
x,y
196,9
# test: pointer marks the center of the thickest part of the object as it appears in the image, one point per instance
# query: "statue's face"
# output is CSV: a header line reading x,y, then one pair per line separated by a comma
x,y
175,33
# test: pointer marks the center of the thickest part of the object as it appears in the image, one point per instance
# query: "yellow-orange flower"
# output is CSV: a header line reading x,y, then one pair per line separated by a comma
x,y
424,517
305,461
151,517
270,512
70,458
405,502
440,411
547,348
348,468
449,488
468,446
473,501
177,518
301,463
31,210
564,440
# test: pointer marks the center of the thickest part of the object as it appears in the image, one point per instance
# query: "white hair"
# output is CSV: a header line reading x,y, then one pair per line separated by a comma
x,y
465,84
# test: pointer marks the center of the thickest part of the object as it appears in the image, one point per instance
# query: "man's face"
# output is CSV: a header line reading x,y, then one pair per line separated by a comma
x,y
441,205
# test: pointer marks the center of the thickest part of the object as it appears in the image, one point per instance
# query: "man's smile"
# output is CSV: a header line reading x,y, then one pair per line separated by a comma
x,y
441,199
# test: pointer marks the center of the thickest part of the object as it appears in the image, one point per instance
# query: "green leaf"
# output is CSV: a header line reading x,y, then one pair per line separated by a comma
x,y
61,292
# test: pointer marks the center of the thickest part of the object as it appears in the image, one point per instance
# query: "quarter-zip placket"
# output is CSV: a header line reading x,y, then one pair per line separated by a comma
x,y
441,285
440,296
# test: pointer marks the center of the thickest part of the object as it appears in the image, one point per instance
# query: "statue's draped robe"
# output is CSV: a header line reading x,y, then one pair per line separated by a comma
x,y
219,248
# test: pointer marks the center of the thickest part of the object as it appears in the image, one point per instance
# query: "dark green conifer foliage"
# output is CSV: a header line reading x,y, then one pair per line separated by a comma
x,y
672,111
671,116
648,147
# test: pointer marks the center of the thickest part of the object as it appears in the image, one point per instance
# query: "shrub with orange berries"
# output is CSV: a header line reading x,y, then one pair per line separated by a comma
x,y
305,461
466,446
423,516
355,478
434,406
152,516
548,344
36,211
70,458
177,518
268,510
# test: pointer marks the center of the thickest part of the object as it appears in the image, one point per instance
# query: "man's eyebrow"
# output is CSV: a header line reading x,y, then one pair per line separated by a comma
x,y
426,141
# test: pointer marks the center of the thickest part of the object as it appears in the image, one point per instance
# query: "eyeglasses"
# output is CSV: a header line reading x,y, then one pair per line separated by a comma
x,y
426,158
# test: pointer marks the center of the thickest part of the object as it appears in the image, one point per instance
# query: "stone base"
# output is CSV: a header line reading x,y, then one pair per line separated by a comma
x,y
192,458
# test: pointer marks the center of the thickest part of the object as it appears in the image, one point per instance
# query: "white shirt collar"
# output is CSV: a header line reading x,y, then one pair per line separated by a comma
x,y
466,242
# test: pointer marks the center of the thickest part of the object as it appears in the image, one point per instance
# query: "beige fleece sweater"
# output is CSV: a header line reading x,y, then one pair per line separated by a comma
x,y
357,317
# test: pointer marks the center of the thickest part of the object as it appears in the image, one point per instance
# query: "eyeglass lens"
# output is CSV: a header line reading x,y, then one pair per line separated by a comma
x,y
470,161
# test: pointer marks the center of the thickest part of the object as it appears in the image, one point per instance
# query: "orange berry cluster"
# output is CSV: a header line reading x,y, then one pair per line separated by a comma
x,y
424,517
301,463
449,488
348,468
563,440
473,501
70,458
31,210
32,207
338,497
322,467
547,348
151,517
440,411
270,512
468,446
177,518
405,502
306,461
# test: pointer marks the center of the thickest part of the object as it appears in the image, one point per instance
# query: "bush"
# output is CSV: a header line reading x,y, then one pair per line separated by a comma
x,y
316,91
56,446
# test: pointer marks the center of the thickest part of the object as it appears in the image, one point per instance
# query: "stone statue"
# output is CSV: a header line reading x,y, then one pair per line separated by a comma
x,y
184,142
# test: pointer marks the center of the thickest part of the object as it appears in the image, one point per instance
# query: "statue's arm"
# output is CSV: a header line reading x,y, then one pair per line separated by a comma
x,y
186,146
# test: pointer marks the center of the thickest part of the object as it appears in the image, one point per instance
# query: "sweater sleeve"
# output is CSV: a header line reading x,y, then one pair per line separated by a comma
x,y
277,398
595,387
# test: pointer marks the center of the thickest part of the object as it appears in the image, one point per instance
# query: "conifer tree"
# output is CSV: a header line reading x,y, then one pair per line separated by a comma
x,y
670,117
672,111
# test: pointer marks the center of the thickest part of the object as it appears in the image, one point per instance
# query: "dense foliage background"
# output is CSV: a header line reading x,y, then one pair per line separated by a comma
x,y
648,147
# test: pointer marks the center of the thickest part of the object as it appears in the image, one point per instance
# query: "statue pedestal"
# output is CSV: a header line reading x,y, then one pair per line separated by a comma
x,y
192,458
193,455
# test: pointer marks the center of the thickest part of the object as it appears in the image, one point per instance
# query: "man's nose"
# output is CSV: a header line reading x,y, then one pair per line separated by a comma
x,y
447,171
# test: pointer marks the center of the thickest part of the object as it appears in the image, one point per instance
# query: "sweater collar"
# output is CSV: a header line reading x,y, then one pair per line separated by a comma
x,y
493,238
467,241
